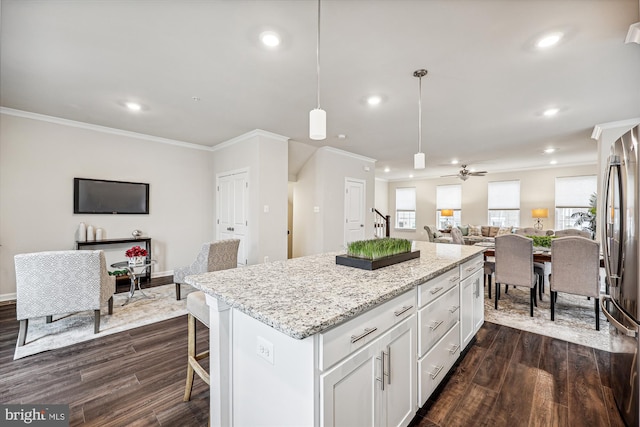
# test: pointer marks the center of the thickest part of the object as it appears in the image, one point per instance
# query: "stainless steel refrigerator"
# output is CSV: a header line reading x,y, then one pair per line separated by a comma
x,y
620,249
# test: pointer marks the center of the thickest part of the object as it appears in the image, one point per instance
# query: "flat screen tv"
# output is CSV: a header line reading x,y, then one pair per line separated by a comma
x,y
99,196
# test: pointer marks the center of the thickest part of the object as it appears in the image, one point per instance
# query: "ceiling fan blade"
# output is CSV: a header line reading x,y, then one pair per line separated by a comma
x,y
479,173
444,176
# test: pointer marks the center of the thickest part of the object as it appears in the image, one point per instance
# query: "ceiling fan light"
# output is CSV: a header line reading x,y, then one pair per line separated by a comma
x,y
419,161
317,124
464,177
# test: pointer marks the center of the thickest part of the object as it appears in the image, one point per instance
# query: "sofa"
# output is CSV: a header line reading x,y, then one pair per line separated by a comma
x,y
473,234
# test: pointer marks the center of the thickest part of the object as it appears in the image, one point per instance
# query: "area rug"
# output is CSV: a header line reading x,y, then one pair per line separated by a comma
x,y
78,327
574,318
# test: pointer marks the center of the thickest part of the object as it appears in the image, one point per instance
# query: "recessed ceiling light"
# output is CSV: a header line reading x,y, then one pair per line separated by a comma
x,y
133,106
374,100
549,150
270,39
411,176
342,136
549,40
553,162
550,112
387,169
454,162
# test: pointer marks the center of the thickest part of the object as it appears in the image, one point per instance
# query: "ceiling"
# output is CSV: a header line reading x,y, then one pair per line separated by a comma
x,y
482,99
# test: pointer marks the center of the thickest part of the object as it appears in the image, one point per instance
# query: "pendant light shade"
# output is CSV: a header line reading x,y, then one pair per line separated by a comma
x,y
317,116
317,124
419,161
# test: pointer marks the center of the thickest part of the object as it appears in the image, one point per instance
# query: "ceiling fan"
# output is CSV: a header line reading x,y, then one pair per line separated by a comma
x,y
465,173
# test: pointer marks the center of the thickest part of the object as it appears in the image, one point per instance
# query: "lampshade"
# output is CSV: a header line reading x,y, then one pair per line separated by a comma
x,y
446,212
418,161
317,124
540,213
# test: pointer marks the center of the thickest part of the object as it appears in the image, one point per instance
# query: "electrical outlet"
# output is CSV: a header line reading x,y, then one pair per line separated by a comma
x,y
265,349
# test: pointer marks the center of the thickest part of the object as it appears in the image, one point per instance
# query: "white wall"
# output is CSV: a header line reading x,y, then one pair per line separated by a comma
x,y
382,196
537,190
265,156
38,161
321,183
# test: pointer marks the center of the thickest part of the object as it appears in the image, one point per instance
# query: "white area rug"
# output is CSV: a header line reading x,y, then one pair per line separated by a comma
x,y
574,320
78,327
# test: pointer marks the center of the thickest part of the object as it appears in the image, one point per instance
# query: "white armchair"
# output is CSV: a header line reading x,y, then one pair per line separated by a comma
x,y
213,256
60,282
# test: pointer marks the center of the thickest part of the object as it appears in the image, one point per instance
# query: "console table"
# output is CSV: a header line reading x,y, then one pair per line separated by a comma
x,y
145,240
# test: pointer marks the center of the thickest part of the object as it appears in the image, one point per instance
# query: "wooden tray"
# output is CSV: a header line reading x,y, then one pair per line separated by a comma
x,y
367,264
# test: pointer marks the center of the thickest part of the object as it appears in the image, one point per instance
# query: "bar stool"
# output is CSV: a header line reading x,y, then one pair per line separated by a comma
x,y
197,309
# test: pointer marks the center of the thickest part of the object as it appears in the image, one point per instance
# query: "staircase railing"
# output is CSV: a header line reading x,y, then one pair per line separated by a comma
x,y
381,224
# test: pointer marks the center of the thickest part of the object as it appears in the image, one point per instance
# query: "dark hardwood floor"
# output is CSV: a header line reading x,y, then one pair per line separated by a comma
x,y
136,378
132,378
516,378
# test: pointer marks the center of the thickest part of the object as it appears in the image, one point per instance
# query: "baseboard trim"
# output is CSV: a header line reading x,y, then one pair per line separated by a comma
x,y
7,297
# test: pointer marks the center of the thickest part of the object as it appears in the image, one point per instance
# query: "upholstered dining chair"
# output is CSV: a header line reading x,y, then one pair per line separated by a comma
x,y
213,256
61,282
572,232
514,265
456,236
575,269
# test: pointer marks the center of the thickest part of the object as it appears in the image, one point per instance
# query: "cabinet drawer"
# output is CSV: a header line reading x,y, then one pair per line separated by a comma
x,y
339,342
437,318
434,365
469,267
437,286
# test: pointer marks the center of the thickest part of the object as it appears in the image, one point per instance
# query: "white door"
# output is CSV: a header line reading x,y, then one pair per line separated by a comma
x,y
232,202
354,200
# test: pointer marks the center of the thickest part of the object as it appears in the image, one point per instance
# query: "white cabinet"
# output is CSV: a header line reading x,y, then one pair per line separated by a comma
x,y
471,299
375,386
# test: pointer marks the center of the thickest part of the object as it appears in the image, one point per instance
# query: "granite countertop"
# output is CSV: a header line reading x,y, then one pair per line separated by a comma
x,y
305,296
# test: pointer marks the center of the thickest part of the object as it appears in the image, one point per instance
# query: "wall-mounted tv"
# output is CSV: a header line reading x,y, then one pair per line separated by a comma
x,y
99,196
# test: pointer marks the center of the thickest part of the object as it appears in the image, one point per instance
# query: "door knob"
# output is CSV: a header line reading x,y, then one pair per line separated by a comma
x,y
361,225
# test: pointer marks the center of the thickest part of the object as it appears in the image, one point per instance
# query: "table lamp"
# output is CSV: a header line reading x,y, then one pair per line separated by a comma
x,y
447,213
538,214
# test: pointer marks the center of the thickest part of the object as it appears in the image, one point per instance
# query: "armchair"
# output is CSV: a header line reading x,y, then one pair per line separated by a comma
x,y
213,256
59,282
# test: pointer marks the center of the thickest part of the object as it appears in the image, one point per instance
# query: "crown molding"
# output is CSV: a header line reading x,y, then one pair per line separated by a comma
x,y
246,136
347,154
98,128
629,123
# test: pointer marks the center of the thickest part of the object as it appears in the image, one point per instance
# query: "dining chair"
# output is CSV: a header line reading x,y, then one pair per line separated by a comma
x,y
575,269
456,236
572,232
514,265
213,256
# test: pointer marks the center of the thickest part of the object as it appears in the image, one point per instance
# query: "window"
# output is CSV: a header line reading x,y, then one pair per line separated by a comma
x,y
448,197
504,203
406,208
572,196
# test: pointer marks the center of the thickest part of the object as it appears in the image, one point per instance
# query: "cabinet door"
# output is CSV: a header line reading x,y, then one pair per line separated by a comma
x,y
399,395
350,390
478,300
466,311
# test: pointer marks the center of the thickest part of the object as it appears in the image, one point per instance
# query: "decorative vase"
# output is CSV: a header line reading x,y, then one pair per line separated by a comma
x,y
99,233
82,232
136,261
90,235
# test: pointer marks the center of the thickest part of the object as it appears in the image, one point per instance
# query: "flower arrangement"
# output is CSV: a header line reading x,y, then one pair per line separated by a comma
x,y
135,252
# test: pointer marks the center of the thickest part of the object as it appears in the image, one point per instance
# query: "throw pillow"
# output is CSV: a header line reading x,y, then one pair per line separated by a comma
x,y
437,234
493,231
464,229
503,231
475,230
485,230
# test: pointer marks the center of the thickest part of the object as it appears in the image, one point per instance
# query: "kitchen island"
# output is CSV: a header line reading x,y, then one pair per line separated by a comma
x,y
296,342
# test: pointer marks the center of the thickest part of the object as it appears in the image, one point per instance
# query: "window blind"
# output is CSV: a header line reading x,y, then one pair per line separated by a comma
x,y
504,195
574,191
406,199
449,197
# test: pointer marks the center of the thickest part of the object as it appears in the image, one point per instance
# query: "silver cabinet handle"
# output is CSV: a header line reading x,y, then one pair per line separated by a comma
x,y
382,374
619,326
436,290
454,309
367,331
437,372
454,349
473,267
454,278
437,323
388,364
403,310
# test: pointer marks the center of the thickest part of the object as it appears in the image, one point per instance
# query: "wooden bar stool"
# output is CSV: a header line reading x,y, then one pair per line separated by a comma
x,y
198,309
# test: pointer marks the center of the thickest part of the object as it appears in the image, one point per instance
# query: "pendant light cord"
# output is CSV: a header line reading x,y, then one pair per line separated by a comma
x,y
318,57
420,115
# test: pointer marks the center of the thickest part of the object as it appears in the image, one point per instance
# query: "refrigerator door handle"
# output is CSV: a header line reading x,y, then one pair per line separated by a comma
x,y
619,326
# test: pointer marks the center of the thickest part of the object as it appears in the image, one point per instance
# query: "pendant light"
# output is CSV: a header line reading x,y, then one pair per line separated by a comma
x,y
419,158
317,116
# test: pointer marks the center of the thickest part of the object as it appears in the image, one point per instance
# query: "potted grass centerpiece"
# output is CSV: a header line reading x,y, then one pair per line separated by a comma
x,y
377,253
